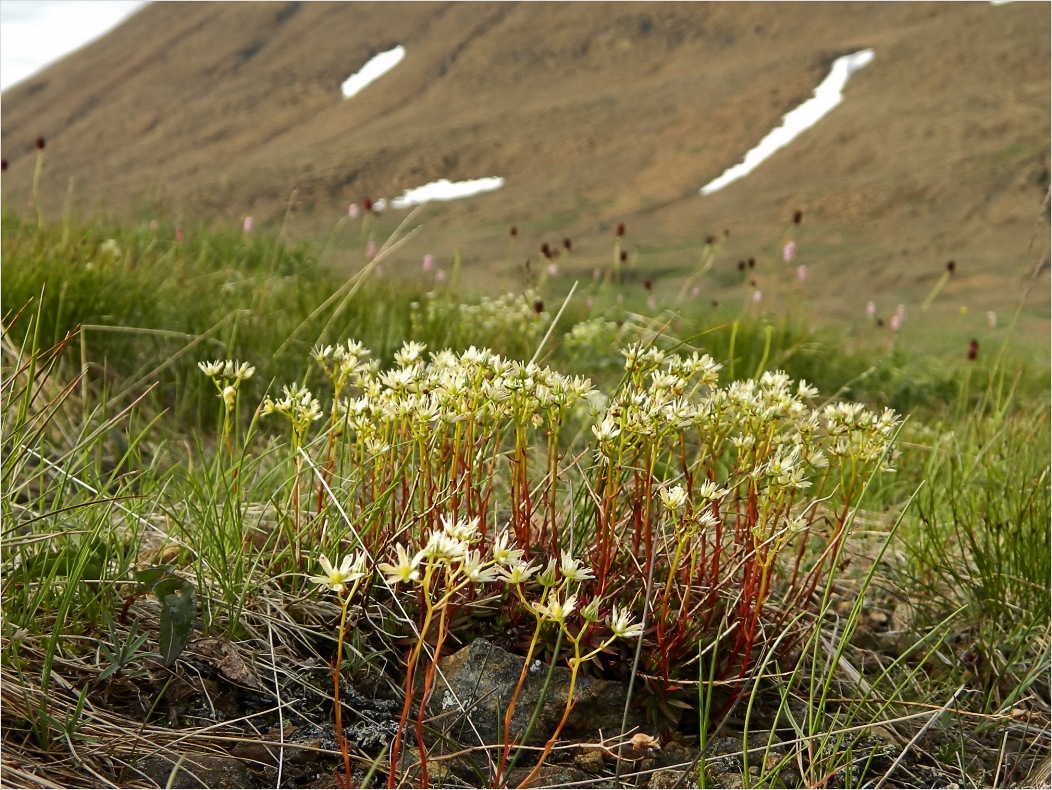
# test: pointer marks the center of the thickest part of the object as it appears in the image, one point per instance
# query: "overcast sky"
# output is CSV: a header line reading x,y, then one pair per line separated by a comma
x,y
35,33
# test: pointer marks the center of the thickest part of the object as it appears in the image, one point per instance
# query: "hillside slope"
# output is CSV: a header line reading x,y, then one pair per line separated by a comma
x,y
594,113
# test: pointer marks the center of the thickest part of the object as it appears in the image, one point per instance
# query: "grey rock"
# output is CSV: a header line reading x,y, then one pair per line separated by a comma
x,y
483,677
554,776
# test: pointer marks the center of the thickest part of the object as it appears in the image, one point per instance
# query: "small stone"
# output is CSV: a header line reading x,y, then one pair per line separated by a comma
x,y
878,620
666,777
590,760
548,776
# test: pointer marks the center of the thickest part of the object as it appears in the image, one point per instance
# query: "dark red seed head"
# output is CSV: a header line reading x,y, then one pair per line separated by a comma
x,y
367,204
741,266
568,244
624,256
973,350
710,239
752,263
647,284
620,229
797,217
39,144
546,251
752,282
513,231
3,164
951,266
538,306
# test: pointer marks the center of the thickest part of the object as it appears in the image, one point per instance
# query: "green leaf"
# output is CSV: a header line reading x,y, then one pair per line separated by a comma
x,y
149,577
678,703
73,560
178,609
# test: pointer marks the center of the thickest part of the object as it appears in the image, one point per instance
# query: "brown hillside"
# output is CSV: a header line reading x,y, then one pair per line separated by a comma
x,y
594,113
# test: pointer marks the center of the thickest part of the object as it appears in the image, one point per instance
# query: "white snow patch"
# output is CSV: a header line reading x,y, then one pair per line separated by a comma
x,y
444,189
377,66
827,96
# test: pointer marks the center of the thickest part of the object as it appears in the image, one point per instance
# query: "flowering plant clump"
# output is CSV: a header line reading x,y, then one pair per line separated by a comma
x,y
676,513
517,321
759,470
594,339
754,470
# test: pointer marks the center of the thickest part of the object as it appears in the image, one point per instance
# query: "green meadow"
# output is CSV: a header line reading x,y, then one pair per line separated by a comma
x,y
825,545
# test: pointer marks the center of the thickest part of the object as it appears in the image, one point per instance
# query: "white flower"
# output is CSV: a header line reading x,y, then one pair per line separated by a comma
x,y
571,568
351,569
622,626
606,431
705,520
557,610
442,547
476,571
211,368
517,572
710,491
321,354
503,554
461,529
404,570
674,498
409,353
805,390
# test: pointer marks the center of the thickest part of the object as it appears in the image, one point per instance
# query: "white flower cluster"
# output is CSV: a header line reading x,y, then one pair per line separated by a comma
x,y
342,360
517,317
593,340
476,385
227,375
452,548
658,398
298,404
778,443
449,547
856,431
